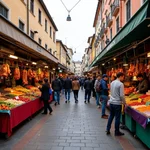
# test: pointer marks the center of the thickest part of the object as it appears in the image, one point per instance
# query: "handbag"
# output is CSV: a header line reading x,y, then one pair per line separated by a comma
x,y
50,91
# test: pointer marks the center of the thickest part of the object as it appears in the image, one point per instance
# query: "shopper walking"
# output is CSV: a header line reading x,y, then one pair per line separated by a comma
x,y
116,100
88,86
104,95
97,88
93,89
75,88
57,87
67,87
45,96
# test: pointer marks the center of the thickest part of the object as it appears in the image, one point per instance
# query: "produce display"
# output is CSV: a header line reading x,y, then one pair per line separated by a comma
x,y
139,102
13,97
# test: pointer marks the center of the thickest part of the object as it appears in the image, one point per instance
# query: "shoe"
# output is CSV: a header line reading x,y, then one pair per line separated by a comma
x,y
119,134
104,117
58,103
88,101
55,103
84,101
98,106
107,132
66,101
50,112
44,113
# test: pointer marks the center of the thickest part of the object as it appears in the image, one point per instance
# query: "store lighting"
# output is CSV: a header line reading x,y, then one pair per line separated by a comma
x,y
114,59
103,64
148,54
53,68
34,63
27,64
125,65
12,56
58,68
46,66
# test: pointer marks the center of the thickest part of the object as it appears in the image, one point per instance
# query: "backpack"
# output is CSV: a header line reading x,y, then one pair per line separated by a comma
x,y
98,87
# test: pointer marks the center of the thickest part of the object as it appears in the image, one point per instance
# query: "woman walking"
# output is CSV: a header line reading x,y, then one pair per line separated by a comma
x,y
75,88
45,96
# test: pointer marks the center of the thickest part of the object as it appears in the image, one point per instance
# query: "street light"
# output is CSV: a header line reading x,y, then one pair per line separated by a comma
x,y
69,17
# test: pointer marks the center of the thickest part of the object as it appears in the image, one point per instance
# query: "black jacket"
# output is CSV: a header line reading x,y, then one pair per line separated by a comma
x,y
88,85
67,84
56,85
45,96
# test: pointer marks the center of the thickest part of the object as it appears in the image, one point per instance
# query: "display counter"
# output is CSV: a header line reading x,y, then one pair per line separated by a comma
x,y
11,118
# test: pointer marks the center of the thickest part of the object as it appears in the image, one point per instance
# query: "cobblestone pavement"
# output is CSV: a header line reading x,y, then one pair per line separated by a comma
x,y
71,127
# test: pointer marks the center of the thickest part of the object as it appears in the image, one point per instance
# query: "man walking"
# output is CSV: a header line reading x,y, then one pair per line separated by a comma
x,y
88,86
116,100
67,87
97,88
57,86
104,95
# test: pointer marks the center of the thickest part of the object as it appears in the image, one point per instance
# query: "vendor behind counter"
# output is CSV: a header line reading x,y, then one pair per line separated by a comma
x,y
143,86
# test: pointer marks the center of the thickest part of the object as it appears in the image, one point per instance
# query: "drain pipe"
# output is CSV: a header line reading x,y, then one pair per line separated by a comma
x,y
27,17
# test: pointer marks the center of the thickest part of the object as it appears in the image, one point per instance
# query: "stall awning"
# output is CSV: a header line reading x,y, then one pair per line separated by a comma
x,y
136,29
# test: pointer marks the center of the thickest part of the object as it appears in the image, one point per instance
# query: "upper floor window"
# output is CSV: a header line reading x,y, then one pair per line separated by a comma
x,y
54,37
32,6
45,46
40,16
45,25
117,25
3,11
40,41
128,10
111,34
51,32
32,34
21,25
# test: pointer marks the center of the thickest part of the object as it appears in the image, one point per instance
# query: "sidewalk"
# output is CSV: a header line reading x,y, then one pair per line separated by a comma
x,y
71,127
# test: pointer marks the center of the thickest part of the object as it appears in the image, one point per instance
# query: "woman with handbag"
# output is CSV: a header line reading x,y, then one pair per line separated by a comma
x,y
45,96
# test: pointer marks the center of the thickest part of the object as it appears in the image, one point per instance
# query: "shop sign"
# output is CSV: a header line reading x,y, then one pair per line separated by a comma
x,y
39,49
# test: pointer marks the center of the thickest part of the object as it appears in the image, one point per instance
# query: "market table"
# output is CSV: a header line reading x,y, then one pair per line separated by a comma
x,y
11,118
139,123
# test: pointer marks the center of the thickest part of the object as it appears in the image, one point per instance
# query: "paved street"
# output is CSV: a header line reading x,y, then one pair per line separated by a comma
x,y
71,127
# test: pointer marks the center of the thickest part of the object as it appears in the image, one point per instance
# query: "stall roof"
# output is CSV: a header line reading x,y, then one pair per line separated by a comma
x,y
136,29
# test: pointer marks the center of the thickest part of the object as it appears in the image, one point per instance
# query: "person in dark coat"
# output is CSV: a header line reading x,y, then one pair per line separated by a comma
x,y
57,87
88,86
93,89
45,96
67,87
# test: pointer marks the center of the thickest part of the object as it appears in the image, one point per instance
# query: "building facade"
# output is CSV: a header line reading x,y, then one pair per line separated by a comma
x,y
111,16
77,68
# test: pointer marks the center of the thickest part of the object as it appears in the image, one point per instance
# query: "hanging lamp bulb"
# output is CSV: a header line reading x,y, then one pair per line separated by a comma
x,y
68,18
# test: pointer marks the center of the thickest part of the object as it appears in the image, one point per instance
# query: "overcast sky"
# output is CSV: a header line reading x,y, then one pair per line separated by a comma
x,y
75,33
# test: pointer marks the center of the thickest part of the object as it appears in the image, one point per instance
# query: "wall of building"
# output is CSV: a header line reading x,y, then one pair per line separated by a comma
x,y
18,11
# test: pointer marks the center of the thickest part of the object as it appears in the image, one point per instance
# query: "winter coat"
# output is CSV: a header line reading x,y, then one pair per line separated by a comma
x,y
88,85
45,96
75,85
67,84
56,85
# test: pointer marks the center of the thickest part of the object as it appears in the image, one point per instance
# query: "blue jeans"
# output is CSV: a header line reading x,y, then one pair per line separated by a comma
x,y
104,99
115,111
67,94
87,94
97,98
57,96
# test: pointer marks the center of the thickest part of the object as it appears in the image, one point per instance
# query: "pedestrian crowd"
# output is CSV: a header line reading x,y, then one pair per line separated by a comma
x,y
95,86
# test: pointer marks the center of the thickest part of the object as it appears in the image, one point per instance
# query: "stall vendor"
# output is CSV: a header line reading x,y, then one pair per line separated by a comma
x,y
142,87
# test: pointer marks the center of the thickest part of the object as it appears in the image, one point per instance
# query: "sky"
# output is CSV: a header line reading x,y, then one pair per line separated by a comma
x,y
75,33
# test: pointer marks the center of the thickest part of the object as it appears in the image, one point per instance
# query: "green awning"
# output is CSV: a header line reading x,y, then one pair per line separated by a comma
x,y
136,29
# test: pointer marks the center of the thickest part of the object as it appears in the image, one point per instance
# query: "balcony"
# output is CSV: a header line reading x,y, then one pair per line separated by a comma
x,y
115,8
109,20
